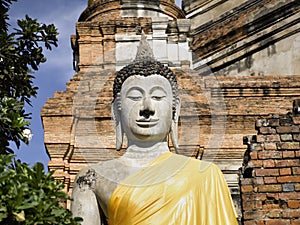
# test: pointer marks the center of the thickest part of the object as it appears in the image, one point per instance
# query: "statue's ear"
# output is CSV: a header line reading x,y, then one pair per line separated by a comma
x,y
174,126
116,114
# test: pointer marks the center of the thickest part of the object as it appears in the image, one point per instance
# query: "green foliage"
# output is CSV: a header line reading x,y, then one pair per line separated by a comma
x,y
30,197
12,123
21,53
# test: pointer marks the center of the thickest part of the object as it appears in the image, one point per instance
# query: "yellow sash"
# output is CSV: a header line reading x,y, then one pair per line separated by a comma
x,y
174,189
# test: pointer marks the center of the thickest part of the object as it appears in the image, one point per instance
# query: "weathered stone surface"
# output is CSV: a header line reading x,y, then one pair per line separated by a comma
x,y
247,38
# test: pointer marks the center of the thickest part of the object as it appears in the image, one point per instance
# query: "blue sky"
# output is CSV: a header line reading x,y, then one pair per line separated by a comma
x,y
53,75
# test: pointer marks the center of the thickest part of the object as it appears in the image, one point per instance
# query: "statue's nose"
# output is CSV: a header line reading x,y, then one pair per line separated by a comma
x,y
147,109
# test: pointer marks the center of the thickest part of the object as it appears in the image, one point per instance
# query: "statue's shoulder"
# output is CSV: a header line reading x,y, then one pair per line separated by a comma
x,y
98,173
210,170
205,166
98,168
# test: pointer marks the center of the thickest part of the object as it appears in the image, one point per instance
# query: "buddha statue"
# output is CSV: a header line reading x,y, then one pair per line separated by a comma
x,y
149,184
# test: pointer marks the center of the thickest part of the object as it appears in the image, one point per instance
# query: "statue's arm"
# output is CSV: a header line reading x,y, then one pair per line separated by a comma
x,y
84,202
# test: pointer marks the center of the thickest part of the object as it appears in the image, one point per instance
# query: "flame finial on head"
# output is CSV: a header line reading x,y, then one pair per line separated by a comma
x,y
144,65
144,50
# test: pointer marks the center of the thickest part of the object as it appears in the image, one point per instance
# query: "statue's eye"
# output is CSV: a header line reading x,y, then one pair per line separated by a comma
x,y
134,95
135,98
158,94
157,98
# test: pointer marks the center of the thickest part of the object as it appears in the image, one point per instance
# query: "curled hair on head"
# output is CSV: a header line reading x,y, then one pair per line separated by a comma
x,y
145,67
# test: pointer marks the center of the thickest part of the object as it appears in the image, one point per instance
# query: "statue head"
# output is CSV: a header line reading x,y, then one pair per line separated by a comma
x,y
146,104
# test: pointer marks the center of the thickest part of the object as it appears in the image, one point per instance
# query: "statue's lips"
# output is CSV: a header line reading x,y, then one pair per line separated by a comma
x,y
147,122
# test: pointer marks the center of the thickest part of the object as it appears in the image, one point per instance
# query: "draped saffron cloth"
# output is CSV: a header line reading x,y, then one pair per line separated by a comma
x,y
173,189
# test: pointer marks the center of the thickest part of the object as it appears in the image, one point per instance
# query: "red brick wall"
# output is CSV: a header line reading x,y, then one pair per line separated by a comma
x,y
270,180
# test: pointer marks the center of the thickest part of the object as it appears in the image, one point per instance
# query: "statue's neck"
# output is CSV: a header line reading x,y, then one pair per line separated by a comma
x,y
142,155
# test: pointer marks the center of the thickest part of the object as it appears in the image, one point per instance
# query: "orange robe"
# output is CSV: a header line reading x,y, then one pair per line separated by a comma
x,y
173,189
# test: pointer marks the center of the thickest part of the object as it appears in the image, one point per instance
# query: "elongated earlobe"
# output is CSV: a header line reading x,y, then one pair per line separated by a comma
x,y
115,109
174,126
